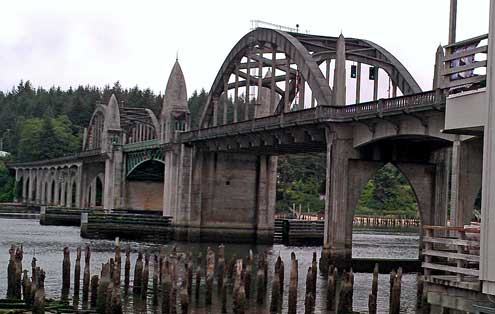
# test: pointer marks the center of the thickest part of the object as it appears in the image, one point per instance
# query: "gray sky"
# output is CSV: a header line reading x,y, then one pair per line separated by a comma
x,y
69,43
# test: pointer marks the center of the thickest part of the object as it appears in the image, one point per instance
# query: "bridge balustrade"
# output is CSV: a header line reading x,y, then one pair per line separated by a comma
x,y
462,63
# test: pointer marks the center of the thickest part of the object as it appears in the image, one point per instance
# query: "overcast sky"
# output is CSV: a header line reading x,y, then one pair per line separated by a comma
x,y
69,43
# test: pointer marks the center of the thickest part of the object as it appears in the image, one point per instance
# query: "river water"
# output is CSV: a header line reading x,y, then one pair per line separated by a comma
x,y
47,242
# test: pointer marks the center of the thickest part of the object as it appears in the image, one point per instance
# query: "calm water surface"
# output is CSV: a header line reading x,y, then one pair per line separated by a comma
x,y
47,242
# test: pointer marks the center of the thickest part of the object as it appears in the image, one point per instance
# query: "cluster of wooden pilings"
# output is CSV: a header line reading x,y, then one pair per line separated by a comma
x,y
175,283
20,286
376,221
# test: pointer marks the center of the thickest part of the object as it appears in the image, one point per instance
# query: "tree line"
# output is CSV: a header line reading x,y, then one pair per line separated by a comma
x,y
39,123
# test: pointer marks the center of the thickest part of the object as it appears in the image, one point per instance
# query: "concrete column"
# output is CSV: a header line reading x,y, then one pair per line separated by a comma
x,y
337,243
39,181
437,73
25,188
112,191
170,186
56,199
467,160
273,83
358,83
78,186
287,83
487,249
236,93
30,186
302,91
339,79
266,190
63,201
69,191
225,98
375,84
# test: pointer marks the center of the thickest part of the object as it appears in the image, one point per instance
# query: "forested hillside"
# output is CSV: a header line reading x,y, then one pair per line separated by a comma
x,y
38,123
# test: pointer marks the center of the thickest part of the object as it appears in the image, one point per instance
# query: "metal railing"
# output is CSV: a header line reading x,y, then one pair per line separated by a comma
x,y
461,61
451,251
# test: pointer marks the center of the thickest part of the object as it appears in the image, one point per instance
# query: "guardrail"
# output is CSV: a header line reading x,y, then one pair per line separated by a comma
x,y
453,250
461,60
371,109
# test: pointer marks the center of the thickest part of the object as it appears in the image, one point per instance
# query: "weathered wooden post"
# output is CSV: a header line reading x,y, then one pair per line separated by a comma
x,y
190,274
345,299
374,291
66,274
260,283
34,279
314,274
166,287
138,273
183,295
39,296
420,291
224,292
156,273
26,287
332,288
293,278
210,270
11,270
396,291
86,273
101,297
146,274
127,268
198,277
117,271
77,273
275,301
308,303
238,281
220,267
94,289
281,274
19,253
391,293
247,276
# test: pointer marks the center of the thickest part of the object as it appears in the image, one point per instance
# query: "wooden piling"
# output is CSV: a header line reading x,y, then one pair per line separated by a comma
x,y
345,299
281,273
66,274
220,267
26,287
117,271
372,303
86,273
332,288
314,274
420,291
11,269
94,289
101,297
77,272
391,282
275,300
138,273
395,292
19,253
223,295
198,276
156,273
127,268
34,279
166,287
210,270
293,278
39,296
260,283
190,274
308,303
145,278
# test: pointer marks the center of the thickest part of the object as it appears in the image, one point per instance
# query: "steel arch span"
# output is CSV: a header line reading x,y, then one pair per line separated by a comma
x,y
298,57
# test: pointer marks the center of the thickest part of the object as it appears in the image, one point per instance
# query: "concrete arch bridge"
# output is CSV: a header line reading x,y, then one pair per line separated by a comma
x,y
292,93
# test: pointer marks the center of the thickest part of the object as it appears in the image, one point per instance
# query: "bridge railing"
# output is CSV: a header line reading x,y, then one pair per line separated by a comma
x,y
464,63
451,253
380,106
310,115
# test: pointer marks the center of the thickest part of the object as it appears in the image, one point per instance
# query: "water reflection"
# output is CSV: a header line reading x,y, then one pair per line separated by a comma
x,y
46,243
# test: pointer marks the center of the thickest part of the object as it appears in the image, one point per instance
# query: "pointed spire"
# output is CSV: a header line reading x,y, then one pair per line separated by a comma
x,y
112,120
175,98
339,90
437,75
